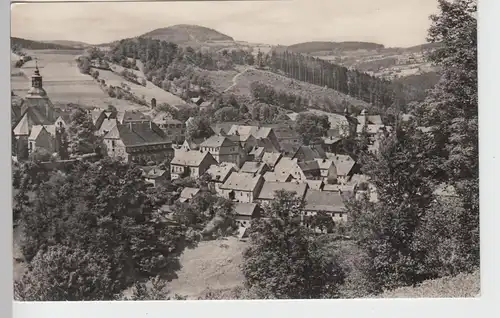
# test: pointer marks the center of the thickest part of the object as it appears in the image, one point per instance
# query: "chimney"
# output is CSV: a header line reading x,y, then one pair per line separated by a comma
x,y
151,125
153,102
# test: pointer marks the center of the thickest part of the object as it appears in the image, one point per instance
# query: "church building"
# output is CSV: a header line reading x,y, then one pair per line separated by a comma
x,y
34,121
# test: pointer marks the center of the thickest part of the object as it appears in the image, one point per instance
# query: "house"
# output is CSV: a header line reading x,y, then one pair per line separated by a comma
x,y
242,187
245,213
309,153
348,190
332,203
315,184
256,153
328,170
138,142
285,133
271,158
345,167
264,136
332,144
223,149
173,129
156,177
187,194
310,169
287,166
197,100
272,176
372,125
219,174
190,163
63,120
192,144
130,116
268,191
247,142
254,168
42,137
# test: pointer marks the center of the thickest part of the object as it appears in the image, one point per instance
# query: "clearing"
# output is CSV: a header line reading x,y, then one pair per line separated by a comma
x,y
460,286
149,91
212,264
291,86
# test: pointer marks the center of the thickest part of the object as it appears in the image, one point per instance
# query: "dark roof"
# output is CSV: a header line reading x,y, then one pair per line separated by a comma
x,y
308,153
137,134
327,201
269,188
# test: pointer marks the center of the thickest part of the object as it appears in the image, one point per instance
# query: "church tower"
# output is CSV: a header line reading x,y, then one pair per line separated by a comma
x,y
37,97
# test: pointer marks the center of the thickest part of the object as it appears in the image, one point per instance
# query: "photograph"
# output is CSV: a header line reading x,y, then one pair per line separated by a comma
x,y
244,150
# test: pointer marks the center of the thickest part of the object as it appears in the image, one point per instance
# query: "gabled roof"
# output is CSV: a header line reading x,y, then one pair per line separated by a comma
x,y
325,164
107,125
309,165
131,115
220,172
137,134
155,173
35,131
193,143
370,120
339,188
263,132
241,182
315,184
245,209
252,167
188,193
308,153
30,118
271,158
344,164
257,152
242,130
190,158
324,201
218,141
269,188
277,177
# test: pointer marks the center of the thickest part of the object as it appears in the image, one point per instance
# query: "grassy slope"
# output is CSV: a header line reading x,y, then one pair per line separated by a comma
x,y
289,85
210,265
460,286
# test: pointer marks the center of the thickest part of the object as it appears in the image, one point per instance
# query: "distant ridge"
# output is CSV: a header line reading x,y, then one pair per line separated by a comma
x,y
186,33
38,45
317,46
75,44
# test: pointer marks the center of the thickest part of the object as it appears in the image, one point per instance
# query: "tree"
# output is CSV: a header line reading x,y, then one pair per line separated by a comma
x,y
69,274
403,173
311,127
199,127
284,261
452,108
104,208
81,133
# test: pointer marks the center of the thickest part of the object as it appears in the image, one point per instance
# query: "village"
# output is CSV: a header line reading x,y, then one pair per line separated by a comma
x,y
244,162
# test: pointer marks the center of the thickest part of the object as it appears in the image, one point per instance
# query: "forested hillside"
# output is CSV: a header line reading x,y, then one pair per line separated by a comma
x,y
36,45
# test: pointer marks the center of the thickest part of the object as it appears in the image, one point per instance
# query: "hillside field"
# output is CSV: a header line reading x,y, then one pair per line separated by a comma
x,y
212,264
291,86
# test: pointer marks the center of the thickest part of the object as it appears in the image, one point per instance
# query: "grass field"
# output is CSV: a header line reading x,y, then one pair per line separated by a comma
x,y
291,86
460,286
212,264
63,81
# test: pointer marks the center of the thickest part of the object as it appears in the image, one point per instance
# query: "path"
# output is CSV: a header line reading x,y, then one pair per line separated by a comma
x,y
235,78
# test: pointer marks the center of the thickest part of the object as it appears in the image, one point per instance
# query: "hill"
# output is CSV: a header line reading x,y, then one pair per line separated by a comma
x,y
66,43
423,47
317,46
186,33
460,286
37,45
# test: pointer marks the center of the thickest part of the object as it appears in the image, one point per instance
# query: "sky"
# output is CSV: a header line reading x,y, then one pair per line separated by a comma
x,y
393,23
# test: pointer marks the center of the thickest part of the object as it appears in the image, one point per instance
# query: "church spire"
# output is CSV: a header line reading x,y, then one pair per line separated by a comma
x,y
36,78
